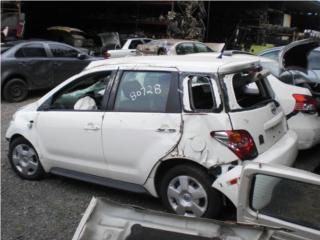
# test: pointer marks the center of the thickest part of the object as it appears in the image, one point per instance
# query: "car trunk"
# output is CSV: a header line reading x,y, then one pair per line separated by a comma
x,y
295,55
251,107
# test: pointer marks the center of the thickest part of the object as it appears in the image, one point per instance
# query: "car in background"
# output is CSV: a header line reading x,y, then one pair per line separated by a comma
x,y
72,36
299,64
32,65
266,212
126,48
172,47
194,113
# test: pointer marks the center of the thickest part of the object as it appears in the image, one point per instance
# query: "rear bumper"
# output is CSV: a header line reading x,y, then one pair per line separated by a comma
x,y
284,152
307,128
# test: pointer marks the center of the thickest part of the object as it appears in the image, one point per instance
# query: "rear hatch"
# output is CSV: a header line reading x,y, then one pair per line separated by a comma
x,y
295,55
250,105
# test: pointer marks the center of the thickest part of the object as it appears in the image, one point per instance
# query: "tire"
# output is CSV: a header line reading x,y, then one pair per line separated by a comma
x,y
186,190
15,90
161,52
24,160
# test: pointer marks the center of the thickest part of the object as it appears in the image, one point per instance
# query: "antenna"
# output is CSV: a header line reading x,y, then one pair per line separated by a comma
x,y
222,50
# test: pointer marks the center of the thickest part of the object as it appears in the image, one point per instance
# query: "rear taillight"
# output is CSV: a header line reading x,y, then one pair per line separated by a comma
x,y
305,103
238,141
106,55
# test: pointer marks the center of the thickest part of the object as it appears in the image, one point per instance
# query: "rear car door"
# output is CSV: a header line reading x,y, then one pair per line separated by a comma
x,y
281,197
251,107
142,123
34,63
65,62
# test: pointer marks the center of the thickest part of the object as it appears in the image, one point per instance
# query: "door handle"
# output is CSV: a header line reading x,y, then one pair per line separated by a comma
x,y
56,64
166,130
92,127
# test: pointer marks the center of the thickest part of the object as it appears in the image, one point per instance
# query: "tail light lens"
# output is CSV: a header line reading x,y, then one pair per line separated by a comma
x,y
106,55
238,141
305,103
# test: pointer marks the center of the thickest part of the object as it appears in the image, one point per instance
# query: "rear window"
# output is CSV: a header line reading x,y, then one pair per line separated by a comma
x,y
245,90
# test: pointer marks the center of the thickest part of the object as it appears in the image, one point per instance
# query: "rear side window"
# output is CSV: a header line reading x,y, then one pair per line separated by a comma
x,y
134,44
63,51
247,90
143,92
31,50
202,48
201,94
184,48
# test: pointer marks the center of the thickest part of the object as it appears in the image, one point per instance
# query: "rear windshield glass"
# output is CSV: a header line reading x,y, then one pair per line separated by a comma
x,y
246,90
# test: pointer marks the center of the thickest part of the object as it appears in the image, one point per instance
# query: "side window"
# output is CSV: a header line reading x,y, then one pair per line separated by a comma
x,y
184,48
31,51
201,94
286,199
63,51
84,94
202,48
314,60
134,44
143,92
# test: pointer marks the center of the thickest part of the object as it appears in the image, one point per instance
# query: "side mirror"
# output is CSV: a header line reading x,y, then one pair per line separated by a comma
x,y
82,56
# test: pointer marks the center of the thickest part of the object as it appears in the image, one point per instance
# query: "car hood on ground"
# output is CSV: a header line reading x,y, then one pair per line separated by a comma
x,y
294,55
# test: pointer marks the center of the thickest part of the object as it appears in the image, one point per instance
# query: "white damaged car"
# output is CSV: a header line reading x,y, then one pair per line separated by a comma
x,y
176,127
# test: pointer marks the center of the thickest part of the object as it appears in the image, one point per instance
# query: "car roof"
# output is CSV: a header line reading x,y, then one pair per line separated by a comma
x,y
188,63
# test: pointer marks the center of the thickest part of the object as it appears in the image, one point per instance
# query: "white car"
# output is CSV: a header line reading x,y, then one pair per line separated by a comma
x,y
172,126
285,213
127,49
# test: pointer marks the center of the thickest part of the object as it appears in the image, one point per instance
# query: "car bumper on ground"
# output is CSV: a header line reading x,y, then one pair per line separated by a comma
x,y
307,129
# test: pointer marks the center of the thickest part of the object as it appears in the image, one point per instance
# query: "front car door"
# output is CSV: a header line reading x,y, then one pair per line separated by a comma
x,y
65,62
282,197
69,124
142,124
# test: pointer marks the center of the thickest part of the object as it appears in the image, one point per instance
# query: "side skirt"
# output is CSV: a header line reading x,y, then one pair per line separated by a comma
x,y
99,180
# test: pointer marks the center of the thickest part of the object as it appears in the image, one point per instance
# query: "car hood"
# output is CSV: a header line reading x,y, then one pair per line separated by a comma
x,y
294,55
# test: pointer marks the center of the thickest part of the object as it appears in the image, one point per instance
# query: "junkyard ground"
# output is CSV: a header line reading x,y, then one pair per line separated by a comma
x,y
53,207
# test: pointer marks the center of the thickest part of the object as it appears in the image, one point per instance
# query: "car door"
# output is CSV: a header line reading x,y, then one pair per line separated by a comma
x,y
65,62
33,63
69,124
281,197
142,123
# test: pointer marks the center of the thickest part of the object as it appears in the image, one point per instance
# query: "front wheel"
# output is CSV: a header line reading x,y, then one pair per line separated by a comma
x,y
24,160
15,90
186,190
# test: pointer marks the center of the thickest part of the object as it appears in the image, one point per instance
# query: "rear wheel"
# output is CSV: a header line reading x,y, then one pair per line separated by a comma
x,y
15,90
24,160
186,190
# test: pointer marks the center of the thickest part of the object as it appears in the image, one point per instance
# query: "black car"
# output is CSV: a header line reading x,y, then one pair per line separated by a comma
x,y
31,65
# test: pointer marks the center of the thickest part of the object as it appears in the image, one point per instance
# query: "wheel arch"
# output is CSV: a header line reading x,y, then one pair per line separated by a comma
x,y
163,166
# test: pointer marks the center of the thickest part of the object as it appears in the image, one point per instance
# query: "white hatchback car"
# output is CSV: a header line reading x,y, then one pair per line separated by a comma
x,y
175,127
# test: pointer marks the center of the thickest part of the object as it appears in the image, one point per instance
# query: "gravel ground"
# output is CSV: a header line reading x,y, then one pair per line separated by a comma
x,y
53,207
